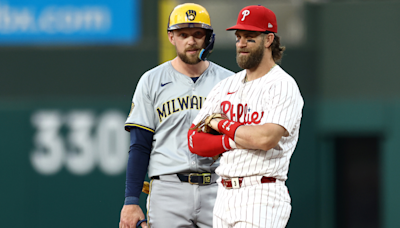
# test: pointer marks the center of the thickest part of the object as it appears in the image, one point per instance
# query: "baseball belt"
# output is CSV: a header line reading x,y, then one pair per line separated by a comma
x,y
236,182
195,178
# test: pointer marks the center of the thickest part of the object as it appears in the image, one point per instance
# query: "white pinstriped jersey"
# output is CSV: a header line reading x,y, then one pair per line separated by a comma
x,y
273,98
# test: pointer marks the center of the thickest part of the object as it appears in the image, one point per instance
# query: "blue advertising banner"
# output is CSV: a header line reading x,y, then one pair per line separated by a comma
x,y
69,22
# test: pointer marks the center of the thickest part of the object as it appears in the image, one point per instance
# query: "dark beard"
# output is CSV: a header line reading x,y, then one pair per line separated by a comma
x,y
186,59
252,60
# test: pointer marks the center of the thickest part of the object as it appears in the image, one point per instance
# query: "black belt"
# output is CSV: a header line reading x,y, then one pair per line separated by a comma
x,y
194,178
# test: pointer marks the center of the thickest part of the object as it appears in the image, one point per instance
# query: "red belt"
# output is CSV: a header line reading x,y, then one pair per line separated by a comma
x,y
237,182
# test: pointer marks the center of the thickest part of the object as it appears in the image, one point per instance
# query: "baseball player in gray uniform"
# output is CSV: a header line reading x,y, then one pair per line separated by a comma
x,y
263,109
167,98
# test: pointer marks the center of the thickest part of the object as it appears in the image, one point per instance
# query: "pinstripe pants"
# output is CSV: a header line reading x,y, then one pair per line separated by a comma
x,y
253,205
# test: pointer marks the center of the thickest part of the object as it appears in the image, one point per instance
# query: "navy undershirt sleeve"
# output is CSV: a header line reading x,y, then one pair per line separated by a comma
x,y
138,162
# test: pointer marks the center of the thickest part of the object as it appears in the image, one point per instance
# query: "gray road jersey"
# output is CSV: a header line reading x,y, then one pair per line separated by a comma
x,y
166,102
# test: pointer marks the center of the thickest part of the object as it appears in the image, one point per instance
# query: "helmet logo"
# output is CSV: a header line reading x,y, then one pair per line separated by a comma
x,y
191,15
245,13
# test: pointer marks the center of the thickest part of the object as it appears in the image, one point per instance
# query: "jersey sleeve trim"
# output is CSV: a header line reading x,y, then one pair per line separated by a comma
x,y
130,125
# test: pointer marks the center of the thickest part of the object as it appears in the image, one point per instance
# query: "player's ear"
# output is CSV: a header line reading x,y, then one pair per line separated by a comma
x,y
269,38
171,37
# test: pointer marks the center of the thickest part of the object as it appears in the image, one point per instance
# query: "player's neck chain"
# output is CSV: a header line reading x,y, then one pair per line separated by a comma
x,y
246,80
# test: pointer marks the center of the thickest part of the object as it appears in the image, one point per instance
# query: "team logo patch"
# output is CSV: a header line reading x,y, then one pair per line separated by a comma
x,y
191,15
132,106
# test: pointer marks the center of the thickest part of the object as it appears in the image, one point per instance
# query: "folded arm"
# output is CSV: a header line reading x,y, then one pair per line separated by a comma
x,y
208,145
262,137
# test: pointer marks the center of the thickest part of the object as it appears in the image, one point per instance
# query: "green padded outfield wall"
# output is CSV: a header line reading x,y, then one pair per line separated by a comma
x,y
358,94
63,148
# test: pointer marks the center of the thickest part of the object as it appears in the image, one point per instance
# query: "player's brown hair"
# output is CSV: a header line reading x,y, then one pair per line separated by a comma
x,y
277,49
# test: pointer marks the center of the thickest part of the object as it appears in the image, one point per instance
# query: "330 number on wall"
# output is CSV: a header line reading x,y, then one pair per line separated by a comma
x,y
89,141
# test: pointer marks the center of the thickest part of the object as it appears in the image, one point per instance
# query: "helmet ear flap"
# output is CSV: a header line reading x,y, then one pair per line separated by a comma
x,y
204,53
207,40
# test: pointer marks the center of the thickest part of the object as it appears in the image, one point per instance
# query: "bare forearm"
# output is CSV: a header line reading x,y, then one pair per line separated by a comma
x,y
254,137
262,137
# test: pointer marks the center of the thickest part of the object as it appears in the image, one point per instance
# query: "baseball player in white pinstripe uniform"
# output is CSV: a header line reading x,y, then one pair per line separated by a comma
x,y
167,99
264,109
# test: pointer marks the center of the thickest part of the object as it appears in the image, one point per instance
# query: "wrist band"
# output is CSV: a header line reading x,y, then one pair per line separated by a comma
x,y
140,222
228,128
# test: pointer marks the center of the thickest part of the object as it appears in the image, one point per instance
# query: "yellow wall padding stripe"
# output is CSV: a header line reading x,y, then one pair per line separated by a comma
x,y
166,49
139,126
